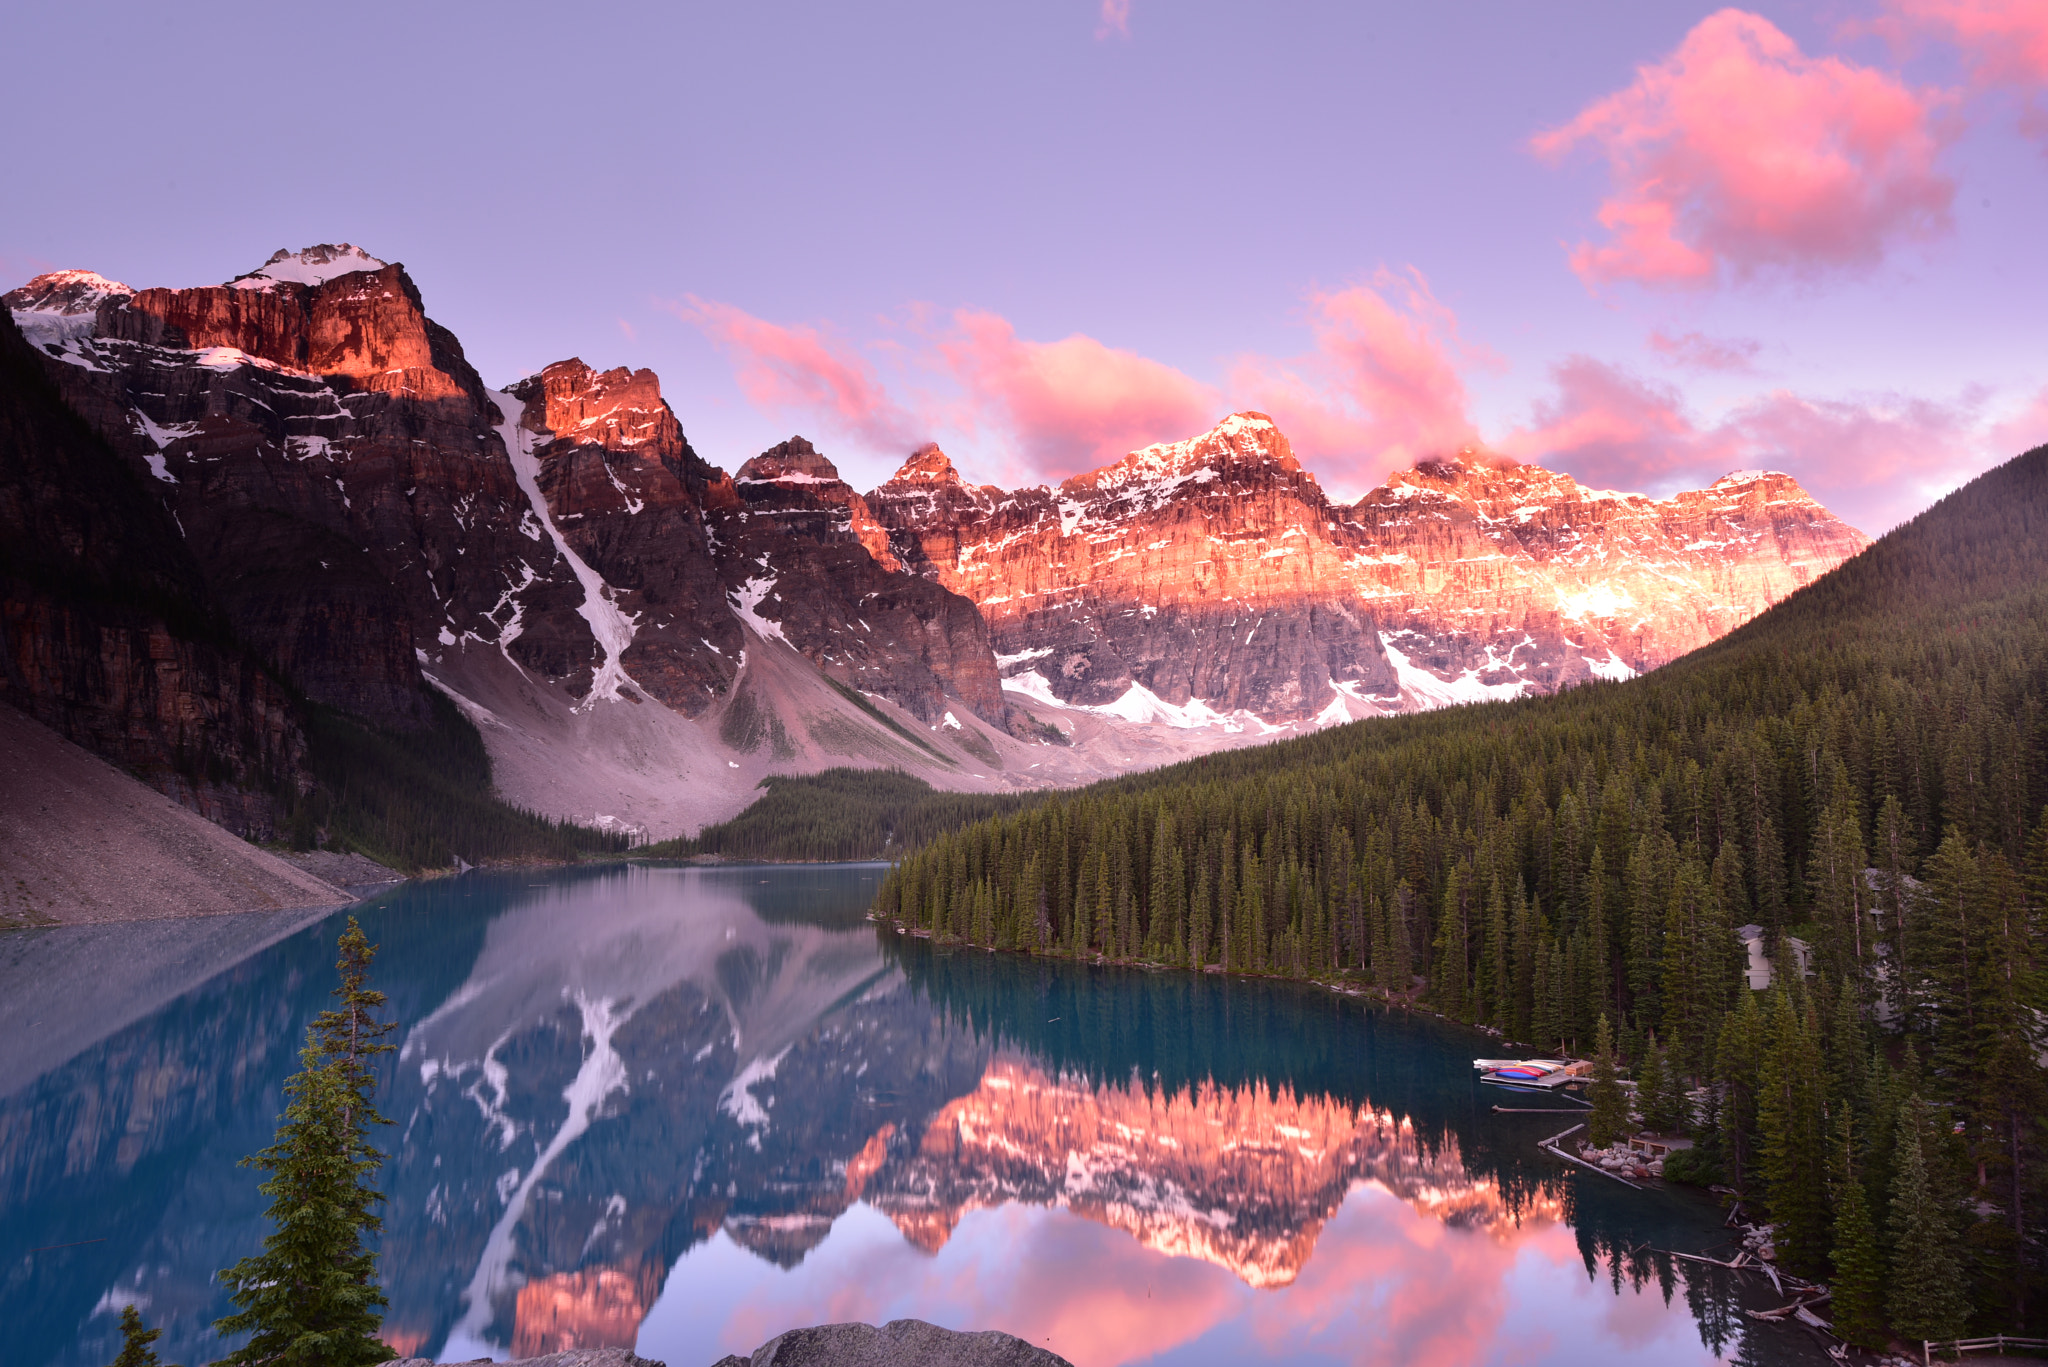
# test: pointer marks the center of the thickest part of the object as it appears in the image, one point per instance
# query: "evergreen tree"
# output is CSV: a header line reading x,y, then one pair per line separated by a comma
x,y
1609,1120
1739,1067
1791,1138
310,1299
1926,1299
1653,1094
1859,1265
135,1341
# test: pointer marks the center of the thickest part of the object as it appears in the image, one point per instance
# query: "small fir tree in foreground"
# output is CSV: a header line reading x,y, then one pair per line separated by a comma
x,y
1609,1120
310,1299
135,1341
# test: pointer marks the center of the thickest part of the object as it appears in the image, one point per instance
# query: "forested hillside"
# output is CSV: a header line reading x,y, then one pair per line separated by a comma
x,y
1860,768
838,815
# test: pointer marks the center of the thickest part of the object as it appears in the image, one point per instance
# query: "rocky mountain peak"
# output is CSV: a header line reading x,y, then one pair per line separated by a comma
x,y
618,409
58,306
795,461
1245,438
64,292
314,265
927,465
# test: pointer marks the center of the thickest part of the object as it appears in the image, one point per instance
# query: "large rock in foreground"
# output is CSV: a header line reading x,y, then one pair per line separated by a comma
x,y
574,1357
899,1343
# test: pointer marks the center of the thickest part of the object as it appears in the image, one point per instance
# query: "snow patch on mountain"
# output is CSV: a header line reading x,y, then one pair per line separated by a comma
x,y
612,627
738,1099
746,601
1429,690
602,1073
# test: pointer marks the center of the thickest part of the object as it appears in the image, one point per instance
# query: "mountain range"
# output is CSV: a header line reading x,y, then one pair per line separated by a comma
x,y
304,465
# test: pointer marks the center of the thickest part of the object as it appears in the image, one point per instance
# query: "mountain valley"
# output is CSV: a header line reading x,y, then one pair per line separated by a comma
x,y
642,638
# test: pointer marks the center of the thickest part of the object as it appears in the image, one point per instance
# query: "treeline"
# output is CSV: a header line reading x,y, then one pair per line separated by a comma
x,y
841,814
1860,769
418,799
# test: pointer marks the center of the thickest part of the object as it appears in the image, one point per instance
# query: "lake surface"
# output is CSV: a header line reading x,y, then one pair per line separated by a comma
x,y
685,1109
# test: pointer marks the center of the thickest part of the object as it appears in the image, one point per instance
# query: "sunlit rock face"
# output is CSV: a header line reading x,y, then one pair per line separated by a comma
x,y
1243,1178
1216,571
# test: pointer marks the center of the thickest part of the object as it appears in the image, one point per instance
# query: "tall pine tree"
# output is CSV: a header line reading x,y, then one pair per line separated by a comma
x,y
1926,1300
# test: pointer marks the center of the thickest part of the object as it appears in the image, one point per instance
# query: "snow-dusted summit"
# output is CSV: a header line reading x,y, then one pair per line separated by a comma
x,y
309,266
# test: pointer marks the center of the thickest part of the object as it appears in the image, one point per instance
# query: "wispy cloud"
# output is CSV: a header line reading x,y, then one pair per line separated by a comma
x,y
798,369
1697,351
1115,20
2004,45
1873,459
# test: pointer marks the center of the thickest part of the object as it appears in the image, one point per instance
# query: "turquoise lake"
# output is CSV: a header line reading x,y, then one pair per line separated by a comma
x,y
682,1109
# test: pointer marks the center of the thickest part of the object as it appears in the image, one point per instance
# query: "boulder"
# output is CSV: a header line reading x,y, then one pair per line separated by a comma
x,y
574,1357
900,1343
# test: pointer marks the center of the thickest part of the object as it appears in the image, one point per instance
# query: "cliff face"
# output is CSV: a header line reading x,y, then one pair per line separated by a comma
x,y
335,472
1213,575
107,632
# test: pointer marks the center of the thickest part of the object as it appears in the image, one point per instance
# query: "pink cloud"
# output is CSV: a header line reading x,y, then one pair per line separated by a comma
x,y
1381,390
1873,460
1116,19
2006,41
1738,154
1612,428
799,369
1697,351
1070,405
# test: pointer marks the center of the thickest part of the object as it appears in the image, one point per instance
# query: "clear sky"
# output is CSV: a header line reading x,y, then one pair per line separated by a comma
x,y
1643,242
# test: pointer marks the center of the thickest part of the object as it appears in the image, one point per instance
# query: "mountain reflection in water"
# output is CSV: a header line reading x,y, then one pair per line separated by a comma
x,y
681,1110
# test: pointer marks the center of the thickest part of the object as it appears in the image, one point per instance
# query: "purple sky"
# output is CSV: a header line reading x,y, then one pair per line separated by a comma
x,y
1045,233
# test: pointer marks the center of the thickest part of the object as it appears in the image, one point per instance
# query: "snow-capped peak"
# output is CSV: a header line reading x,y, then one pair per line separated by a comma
x,y
56,307
65,292
309,266
1750,476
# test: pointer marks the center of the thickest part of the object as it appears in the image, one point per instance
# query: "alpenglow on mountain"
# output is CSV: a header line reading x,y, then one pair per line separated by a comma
x,y
1213,576
641,638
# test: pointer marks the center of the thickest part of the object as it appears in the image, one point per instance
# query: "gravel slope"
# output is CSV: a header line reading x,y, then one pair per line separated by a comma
x,y
82,842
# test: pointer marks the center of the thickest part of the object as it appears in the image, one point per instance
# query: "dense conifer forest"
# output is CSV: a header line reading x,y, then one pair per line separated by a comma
x,y
840,814
1859,773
